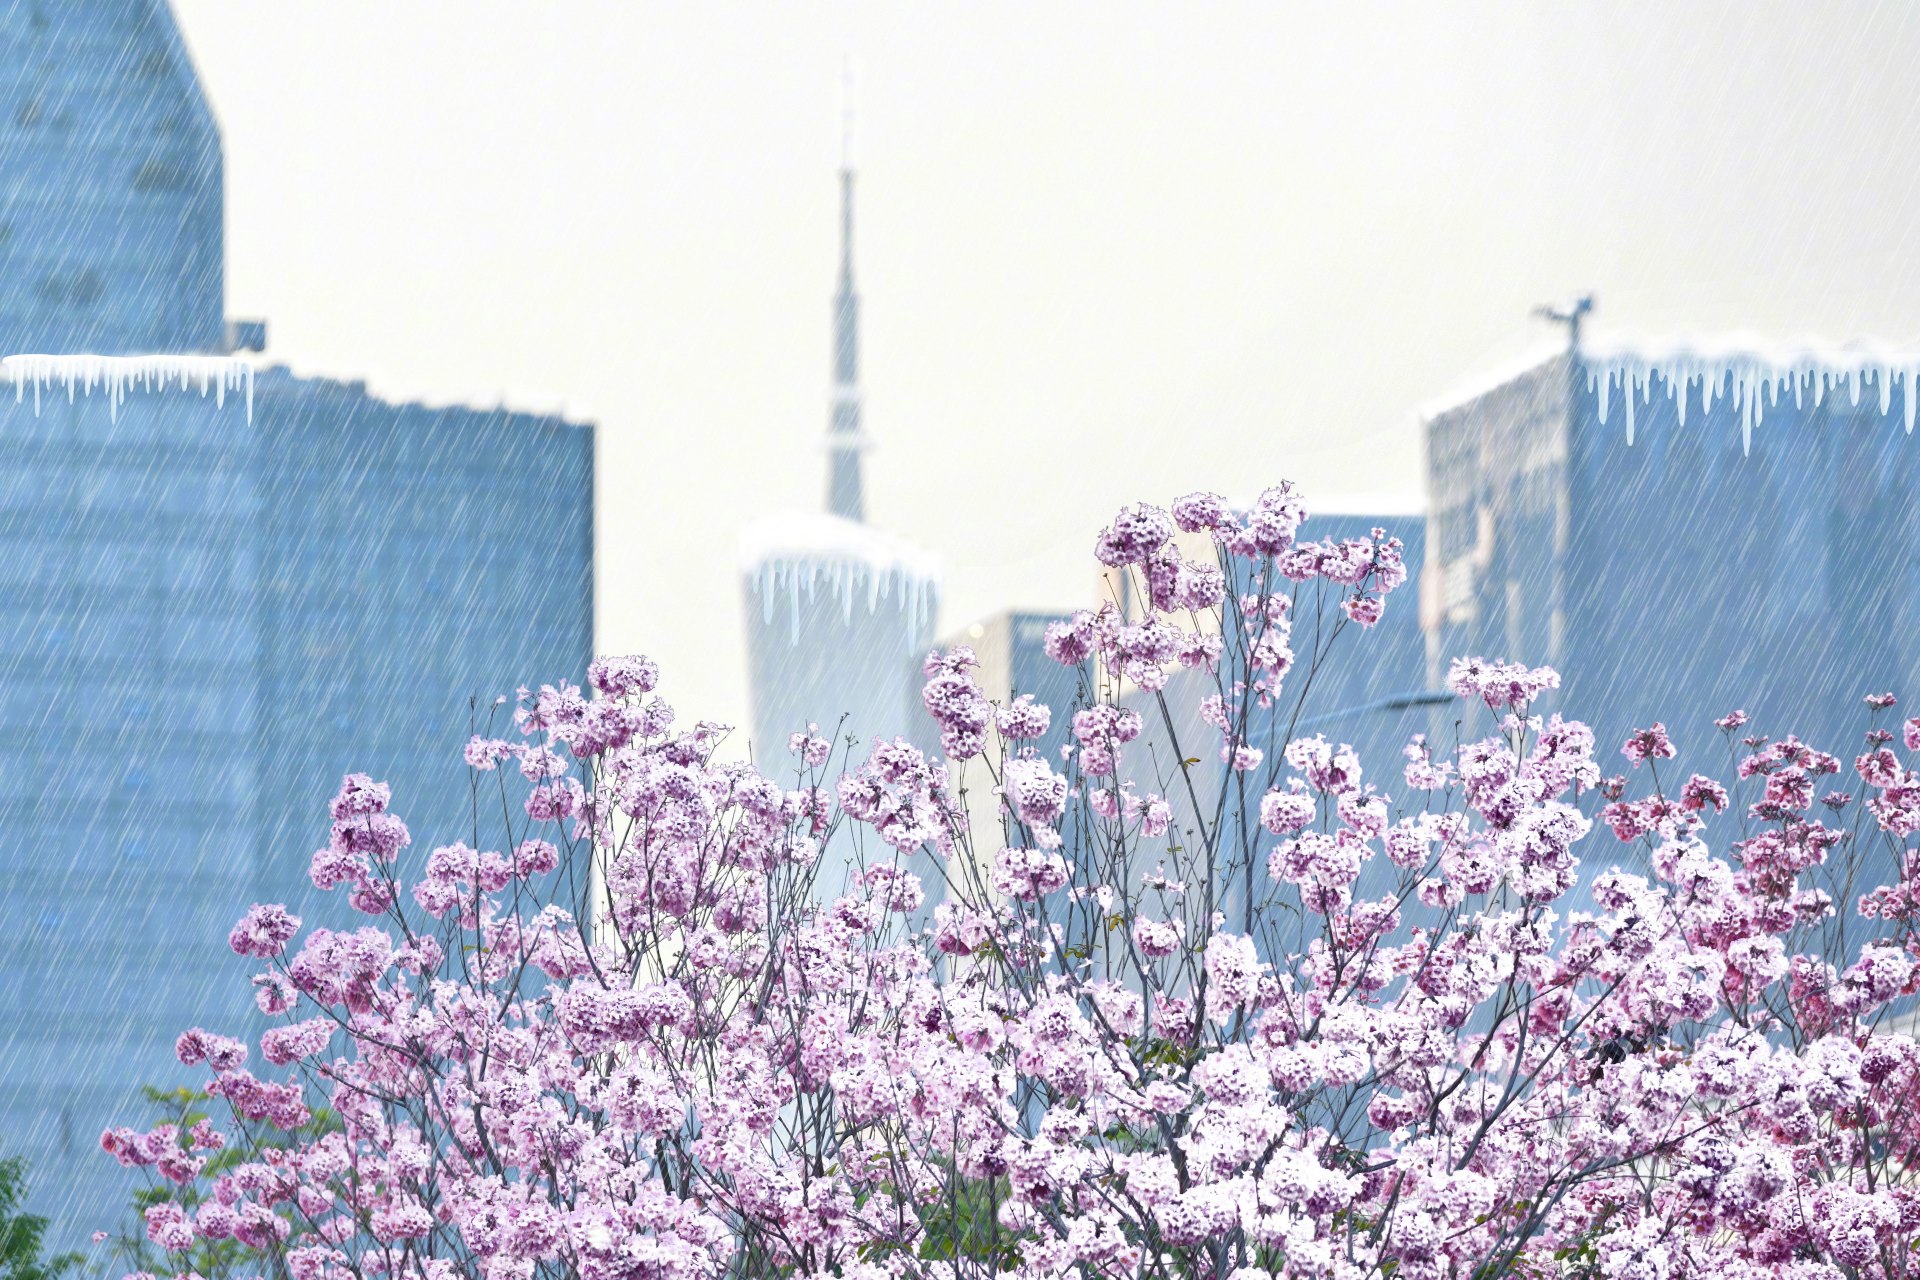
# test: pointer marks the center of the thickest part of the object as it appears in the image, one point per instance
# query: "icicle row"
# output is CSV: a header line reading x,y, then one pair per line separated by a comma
x,y
116,375
1750,380
845,579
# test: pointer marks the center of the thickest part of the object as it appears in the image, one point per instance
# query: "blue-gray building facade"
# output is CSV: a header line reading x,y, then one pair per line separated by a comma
x,y
206,617
415,564
111,203
1682,574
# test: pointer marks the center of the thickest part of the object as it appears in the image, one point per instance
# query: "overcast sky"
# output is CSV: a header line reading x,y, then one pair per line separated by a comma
x,y
1108,251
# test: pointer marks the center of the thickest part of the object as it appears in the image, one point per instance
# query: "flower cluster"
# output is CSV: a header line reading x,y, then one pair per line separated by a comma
x,y
1283,1018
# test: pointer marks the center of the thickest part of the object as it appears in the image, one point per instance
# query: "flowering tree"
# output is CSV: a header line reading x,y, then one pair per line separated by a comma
x,y
1153,1027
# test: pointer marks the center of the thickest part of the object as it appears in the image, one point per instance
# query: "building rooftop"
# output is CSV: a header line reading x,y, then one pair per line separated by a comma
x,y
818,537
1750,371
277,377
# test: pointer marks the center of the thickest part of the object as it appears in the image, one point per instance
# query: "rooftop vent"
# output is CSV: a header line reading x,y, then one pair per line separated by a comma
x,y
246,335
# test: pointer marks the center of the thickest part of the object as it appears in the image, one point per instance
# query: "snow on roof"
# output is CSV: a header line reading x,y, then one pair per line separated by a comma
x,y
1496,375
116,375
816,536
1360,506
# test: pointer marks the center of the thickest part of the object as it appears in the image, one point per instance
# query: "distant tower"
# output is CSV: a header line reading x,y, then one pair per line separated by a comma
x,y
844,441
839,614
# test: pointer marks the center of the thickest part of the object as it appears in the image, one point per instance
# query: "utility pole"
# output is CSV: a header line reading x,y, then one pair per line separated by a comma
x,y
1572,317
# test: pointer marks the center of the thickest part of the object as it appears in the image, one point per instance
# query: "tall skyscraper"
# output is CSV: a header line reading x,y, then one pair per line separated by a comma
x,y
839,614
110,201
206,616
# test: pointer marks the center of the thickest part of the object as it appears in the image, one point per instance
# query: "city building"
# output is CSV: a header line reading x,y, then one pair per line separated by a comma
x,y
210,607
414,563
1011,648
1682,530
839,614
111,232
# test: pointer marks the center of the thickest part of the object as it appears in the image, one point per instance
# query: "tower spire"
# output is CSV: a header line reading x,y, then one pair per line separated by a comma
x,y
844,441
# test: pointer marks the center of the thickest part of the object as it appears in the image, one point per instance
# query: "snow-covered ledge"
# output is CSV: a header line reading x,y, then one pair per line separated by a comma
x,y
116,375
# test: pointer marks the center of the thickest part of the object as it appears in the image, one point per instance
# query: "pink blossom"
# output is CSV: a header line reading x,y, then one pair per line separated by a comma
x,y
1028,873
264,931
1648,744
1157,938
167,1226
1200,511
627,677
1500,684
608,1028
1285,812
1070,643
1024,719
288,1044
1136,533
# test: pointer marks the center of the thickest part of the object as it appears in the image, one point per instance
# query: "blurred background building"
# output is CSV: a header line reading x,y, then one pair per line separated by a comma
x,y
205,618
1011,648
1681,530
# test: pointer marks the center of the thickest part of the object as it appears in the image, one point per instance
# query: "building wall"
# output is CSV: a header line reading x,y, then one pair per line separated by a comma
x,y
1679,577
111,234
129,649
206,623
127,642
416,564
1704,577
1497,488
205,620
